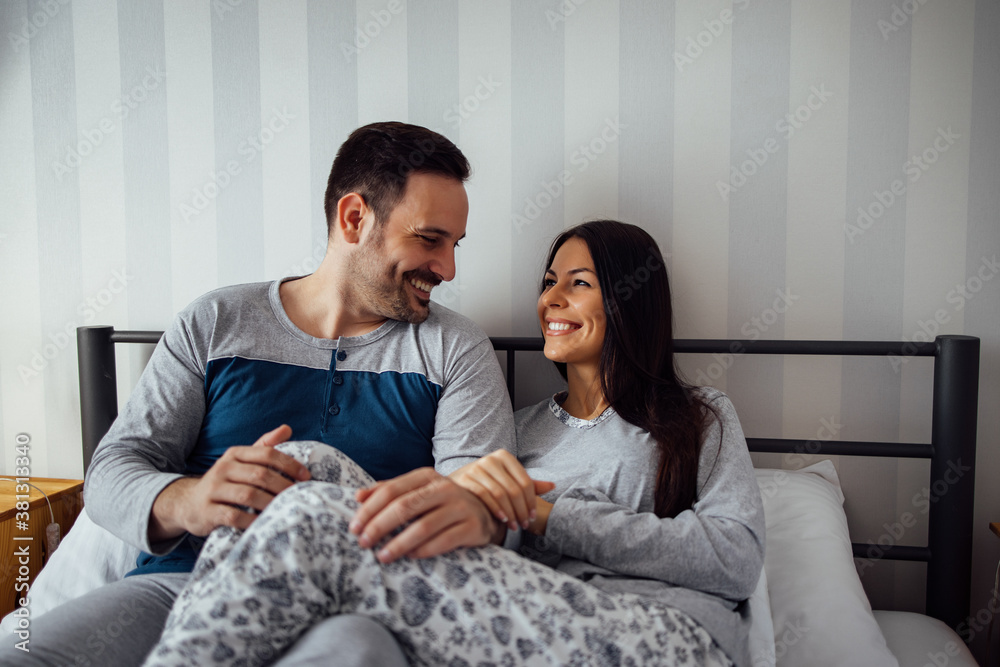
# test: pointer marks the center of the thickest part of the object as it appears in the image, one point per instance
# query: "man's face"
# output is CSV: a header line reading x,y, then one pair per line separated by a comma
x,y
400,261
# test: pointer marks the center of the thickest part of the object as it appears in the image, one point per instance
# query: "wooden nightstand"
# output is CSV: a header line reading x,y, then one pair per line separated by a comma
x,y
66,496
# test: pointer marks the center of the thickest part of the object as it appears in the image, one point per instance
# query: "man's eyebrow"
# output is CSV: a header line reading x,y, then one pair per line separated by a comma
x,y
439,231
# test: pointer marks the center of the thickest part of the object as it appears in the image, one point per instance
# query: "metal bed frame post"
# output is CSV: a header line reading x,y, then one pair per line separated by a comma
x,y
98,386
953,478
510,345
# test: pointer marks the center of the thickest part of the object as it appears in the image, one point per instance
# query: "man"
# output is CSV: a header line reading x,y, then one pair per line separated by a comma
x,y
353,355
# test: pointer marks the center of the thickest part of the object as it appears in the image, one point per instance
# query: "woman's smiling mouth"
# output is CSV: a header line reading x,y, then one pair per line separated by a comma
x,y
556,327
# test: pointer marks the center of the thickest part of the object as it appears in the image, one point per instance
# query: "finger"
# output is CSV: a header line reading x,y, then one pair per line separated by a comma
x,y
253,476
493,472
275,437
519,488
365,492
543,487
424,529
487,499
440,495
388,491
497,493
519,485
222,515
516,496
449,539
267,456
242,496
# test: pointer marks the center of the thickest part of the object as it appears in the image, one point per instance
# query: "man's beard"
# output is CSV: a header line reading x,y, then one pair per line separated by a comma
x,y
378,289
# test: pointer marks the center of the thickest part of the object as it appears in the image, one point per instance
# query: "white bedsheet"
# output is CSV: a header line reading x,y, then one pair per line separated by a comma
x,y
919,640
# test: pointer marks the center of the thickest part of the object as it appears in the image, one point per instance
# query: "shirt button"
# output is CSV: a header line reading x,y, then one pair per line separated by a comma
x,y
334,409
341,355
338,380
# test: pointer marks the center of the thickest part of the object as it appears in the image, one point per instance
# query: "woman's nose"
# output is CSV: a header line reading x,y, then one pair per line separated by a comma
x,y
553,297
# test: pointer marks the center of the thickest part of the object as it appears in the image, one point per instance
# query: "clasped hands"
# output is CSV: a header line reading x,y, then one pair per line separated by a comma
x,y
450,512
471,507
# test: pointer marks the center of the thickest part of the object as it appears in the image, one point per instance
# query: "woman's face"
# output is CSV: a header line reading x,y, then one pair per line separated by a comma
x,y
570,308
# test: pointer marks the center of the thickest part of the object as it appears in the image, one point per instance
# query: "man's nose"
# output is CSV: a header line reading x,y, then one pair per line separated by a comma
x,y
444,265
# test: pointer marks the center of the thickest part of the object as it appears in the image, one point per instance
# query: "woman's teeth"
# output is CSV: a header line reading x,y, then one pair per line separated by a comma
x,y
561,326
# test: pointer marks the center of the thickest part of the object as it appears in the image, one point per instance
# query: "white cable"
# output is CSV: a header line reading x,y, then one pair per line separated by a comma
x,y
52,531
51,514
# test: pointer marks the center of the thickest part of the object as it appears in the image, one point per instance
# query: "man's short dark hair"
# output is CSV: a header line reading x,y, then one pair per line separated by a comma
x,y
376,160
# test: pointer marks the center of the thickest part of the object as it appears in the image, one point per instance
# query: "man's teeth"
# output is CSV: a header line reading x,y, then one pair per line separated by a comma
x,y
560,326
421,285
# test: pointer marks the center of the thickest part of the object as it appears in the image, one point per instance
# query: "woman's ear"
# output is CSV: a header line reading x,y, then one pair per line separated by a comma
x,y
351,214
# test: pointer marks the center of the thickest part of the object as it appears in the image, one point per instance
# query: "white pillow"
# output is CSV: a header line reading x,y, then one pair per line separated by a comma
x,y
87,558
761,638
820,612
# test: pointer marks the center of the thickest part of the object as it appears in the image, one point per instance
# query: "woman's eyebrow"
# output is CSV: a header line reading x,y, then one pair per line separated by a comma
x,y
572,271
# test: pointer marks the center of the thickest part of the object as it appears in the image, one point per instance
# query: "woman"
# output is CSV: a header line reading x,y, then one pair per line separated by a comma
x,y
656,508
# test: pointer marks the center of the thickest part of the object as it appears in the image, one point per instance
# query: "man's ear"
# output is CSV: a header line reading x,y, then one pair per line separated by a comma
x,y
352,212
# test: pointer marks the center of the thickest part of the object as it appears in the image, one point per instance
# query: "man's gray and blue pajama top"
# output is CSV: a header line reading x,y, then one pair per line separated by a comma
x,y
233,366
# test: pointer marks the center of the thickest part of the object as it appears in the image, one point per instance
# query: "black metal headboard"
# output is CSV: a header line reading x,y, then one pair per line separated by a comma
x,y
953,434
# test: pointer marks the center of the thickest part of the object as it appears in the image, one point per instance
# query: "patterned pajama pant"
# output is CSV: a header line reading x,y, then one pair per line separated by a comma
x,y
254,593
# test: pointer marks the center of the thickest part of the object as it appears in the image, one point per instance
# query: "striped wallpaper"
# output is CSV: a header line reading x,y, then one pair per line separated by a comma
x,y
815,169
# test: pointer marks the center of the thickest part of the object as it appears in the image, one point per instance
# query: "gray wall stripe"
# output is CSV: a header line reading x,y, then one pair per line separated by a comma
x,y
878,140
57,197
12,18
432,64
646,103
242,132
982,312
537,153
146,167
537,161
432,69
333,97
757,208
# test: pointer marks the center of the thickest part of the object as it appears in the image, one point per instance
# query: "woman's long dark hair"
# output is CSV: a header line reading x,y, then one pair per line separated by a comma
x,y
637,371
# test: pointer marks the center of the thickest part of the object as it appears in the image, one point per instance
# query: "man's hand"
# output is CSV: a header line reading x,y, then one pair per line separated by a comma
x,y
242,477
445,516
501,482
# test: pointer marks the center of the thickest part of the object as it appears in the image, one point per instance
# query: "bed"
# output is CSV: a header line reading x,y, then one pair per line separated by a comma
x,y
809,607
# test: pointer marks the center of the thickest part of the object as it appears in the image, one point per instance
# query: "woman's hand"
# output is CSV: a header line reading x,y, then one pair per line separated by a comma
x,y
543,508
500,481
